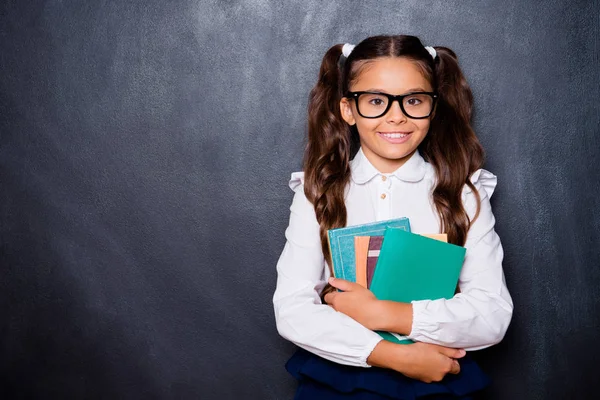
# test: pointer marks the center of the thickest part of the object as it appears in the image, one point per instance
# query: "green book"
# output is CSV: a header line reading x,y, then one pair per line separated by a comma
x,y
414,267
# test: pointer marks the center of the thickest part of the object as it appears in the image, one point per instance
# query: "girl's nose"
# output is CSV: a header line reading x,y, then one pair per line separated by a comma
x,y
395,114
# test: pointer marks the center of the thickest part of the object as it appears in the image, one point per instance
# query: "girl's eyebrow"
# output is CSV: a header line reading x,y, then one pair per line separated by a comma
x,y
418,89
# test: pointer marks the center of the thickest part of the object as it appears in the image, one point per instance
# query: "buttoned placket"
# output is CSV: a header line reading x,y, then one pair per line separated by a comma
x,y
384,197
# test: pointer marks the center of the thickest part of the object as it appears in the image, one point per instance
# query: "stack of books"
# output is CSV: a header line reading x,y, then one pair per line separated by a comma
x,y
396,264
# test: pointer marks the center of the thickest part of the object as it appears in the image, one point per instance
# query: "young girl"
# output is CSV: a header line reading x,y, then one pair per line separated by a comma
x,y
403,111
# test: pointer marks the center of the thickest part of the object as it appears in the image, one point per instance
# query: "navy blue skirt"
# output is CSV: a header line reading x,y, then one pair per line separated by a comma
x,y
322,379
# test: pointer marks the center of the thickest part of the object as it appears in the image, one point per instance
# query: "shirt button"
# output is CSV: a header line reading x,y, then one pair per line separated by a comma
x,y
383,178
383,196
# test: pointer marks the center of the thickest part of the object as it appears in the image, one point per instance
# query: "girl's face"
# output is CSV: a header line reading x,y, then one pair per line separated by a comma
x,y
390,140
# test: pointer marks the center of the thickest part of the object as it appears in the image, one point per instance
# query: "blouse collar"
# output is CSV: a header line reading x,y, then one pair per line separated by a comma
x,y
363,171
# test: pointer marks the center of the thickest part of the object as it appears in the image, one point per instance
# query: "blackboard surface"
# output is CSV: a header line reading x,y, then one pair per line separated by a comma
x,y
145,148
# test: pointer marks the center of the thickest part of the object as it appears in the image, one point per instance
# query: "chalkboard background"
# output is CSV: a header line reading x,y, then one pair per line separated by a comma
x,y
144,157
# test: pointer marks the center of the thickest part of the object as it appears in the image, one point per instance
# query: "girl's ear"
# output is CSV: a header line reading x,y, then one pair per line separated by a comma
x,y
346,111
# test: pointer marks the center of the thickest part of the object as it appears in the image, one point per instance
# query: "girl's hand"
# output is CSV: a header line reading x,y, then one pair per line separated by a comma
x,y
430,362
422,361
355,301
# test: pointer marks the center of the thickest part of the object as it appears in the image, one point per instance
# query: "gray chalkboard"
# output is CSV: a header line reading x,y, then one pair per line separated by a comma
x,y
145,148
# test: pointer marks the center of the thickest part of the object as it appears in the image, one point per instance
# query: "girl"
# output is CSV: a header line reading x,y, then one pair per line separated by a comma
x,y
403,111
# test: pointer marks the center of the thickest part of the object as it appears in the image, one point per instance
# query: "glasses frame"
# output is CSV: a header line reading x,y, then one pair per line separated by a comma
x,y
391,99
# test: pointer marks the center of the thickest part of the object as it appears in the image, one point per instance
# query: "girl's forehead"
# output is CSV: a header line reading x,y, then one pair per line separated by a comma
x,y
390,74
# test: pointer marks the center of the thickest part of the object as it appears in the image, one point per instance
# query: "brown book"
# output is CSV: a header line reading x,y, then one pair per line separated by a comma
x,y
375,243
442,237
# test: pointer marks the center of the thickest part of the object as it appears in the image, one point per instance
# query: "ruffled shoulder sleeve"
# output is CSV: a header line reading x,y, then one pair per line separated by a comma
x,y
296,181
483,180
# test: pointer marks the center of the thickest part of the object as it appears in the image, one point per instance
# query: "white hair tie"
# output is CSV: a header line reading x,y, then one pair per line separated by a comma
x,y
431,51
347,49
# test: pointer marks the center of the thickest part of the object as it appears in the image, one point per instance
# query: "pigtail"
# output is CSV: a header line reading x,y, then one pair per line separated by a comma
x,y
451,145
327,155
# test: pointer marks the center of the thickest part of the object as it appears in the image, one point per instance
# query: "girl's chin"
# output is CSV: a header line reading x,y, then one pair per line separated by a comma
x,y
399,154
387,162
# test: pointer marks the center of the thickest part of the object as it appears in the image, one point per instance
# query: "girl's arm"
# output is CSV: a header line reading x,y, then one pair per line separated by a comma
x,y
426,362
362,305
300,316
479,315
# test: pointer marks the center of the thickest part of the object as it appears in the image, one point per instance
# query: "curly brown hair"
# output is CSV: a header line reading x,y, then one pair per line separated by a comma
x,y
450,146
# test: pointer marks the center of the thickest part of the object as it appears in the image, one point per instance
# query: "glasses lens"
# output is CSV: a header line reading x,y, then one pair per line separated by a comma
x,y
372,105
418,105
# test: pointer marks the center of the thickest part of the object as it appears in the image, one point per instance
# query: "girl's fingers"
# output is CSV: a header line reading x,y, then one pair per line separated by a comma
x,y
455,369
452,353
329,297
341,284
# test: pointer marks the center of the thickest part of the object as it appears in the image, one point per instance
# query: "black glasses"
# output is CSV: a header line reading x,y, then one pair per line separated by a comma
x,y
415,105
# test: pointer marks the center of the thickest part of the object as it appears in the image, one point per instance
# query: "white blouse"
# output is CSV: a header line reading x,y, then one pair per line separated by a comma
x,y
475,318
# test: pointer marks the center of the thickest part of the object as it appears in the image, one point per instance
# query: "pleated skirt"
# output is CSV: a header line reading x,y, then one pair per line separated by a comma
x,y
322,379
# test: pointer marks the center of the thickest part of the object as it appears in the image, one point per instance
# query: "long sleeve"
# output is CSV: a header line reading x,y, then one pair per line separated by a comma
x,y
479,315
300,316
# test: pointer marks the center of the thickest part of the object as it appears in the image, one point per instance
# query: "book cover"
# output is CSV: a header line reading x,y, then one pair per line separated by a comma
x,y
341,244
414,267
375,243
361,248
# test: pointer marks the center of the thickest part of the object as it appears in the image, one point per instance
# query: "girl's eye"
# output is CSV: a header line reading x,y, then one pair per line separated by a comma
x,y
374,100
413,101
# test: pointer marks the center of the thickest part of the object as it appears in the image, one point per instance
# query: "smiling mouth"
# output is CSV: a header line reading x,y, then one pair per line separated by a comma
x,y
394,135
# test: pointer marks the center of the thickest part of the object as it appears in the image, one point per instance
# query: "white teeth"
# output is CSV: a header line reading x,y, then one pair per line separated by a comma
x,y
395,135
